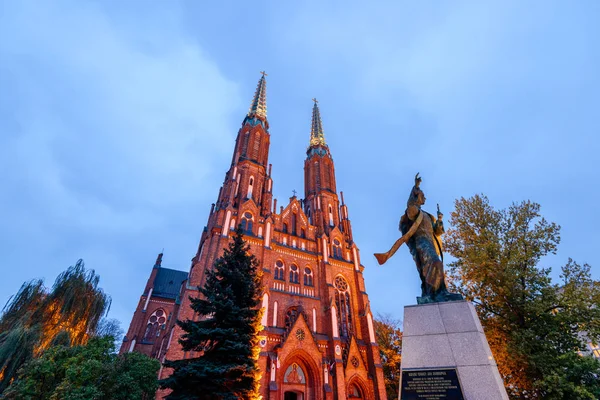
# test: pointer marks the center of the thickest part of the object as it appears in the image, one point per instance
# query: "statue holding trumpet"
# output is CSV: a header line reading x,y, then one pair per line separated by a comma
x,y
422,233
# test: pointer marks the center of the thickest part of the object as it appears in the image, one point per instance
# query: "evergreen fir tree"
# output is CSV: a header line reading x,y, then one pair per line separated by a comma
x,y
225,334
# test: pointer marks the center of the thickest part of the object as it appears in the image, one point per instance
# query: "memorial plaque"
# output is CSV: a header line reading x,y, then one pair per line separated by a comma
x,y
430,384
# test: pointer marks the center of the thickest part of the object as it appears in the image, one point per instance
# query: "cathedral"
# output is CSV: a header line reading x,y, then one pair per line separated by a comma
x,y
318,340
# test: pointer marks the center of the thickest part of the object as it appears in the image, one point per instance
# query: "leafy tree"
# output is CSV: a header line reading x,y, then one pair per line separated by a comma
x,y
225,336
86,372
536,328
389,338
40,376
36,318
109,327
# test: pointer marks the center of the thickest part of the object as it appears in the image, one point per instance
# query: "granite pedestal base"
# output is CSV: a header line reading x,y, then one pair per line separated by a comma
x,y
446,337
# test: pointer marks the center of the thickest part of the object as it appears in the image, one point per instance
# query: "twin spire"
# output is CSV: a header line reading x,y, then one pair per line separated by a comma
x,y
258,108
317,138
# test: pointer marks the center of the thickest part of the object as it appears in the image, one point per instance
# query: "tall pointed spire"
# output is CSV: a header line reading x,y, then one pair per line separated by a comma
x,y
317,138
258,107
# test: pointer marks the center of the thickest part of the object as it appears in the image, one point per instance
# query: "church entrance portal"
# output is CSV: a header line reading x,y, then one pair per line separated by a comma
x,y
293,396
295,383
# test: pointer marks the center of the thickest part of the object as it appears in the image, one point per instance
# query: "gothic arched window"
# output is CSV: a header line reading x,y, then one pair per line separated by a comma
x,y
291,316
255,149
245,144
294,276
327,176
250,187
237,184
330,216
337,249
294,222
308,277
355,392
247,223
344,308
279,270
155,321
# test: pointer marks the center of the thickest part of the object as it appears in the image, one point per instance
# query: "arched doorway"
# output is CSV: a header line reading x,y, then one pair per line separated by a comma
x,y
299,376
356,390
293,396
295,382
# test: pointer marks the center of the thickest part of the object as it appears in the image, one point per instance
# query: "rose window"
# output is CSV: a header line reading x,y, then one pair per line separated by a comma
x,y
341,284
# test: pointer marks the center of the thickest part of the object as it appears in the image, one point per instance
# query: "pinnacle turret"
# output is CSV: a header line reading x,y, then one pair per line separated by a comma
x,y
317,137
258,107
158,262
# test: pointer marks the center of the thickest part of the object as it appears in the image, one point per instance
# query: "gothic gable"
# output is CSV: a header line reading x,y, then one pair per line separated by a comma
x,y
337,233
295,207
355,360
249,205
299,337
293,220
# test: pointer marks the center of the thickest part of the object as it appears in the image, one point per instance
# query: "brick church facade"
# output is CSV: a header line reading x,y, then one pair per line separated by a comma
x,y
318,340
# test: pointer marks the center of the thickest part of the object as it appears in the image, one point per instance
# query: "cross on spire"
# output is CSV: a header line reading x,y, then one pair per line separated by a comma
x,y
264,73
294,192
315,100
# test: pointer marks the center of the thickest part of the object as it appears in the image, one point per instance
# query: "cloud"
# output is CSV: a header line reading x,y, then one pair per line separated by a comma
x,y
117,121
493,97
106,127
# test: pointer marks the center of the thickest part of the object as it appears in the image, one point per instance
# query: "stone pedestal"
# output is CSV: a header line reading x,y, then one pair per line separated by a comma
x,y
446,337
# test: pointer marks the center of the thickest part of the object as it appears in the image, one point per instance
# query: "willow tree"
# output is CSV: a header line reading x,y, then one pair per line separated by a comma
x,y
37,317
536,328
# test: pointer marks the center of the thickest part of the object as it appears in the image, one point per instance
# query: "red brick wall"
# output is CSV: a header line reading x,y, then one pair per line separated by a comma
x,y
315,352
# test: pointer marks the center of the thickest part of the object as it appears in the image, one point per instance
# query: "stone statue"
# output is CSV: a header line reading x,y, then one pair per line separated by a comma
x,y
422,233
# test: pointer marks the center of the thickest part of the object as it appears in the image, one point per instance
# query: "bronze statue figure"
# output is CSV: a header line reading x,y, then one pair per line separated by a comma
x,y
422,233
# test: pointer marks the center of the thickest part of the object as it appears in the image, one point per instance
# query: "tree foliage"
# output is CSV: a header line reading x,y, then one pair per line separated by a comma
x,y
536,328
86,372
389,339
224,338
36,318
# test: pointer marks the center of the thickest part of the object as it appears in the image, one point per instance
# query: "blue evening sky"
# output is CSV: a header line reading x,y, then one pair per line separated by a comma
x,y
118,119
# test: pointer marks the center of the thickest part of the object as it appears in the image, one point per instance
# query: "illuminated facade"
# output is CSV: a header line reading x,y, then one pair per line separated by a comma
x,y
318,340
